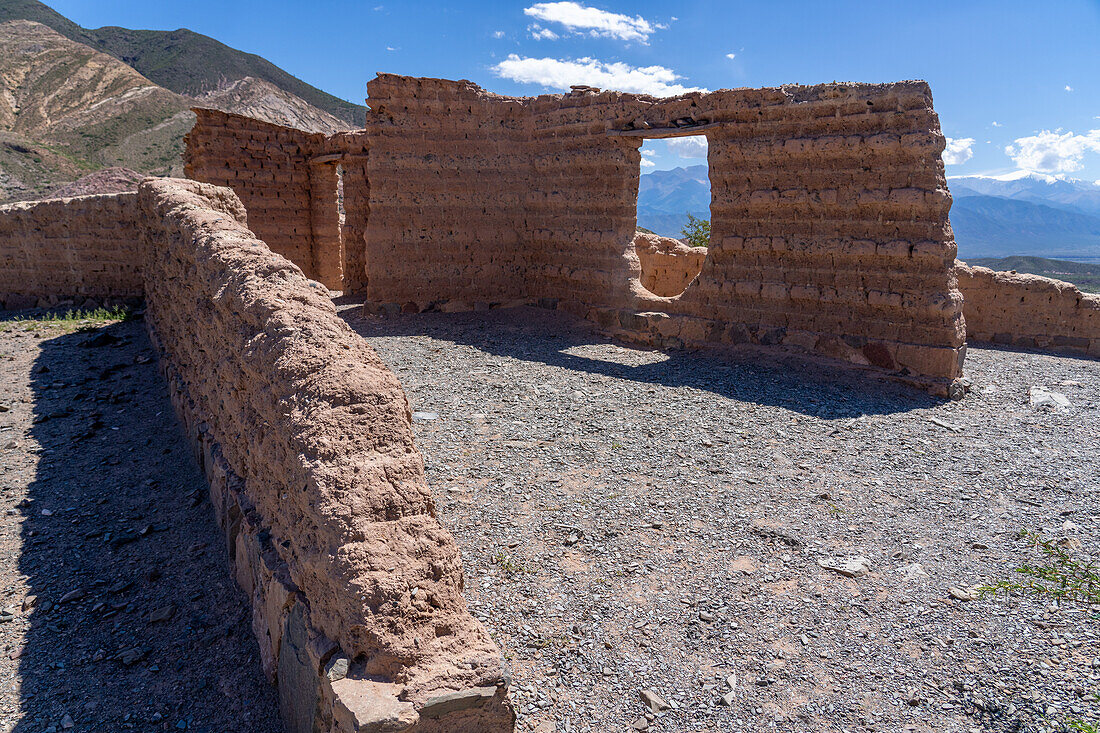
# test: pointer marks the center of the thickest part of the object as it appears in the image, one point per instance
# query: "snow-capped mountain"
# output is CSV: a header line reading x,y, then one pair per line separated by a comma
x,y
1041,188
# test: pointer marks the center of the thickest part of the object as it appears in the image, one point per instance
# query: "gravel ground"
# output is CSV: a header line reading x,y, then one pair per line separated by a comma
x,y
637,520
118,609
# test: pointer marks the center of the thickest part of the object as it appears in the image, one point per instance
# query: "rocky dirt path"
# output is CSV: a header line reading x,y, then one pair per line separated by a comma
x,y
118,610
632,520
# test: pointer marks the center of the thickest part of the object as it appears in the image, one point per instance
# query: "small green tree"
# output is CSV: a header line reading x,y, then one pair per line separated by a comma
x,y
696,232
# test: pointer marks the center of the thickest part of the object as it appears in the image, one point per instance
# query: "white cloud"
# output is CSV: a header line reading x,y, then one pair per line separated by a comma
x,y
958,150
498,34
390,48
646,163
578,18
694,146
1069,88
542,34
731,56
997,124
1053,152
563,73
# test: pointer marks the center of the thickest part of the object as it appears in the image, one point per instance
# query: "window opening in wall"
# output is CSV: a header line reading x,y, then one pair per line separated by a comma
x,y
673,225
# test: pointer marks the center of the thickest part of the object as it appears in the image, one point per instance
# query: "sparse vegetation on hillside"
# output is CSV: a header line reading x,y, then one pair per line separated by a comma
x,y
696,232
181,60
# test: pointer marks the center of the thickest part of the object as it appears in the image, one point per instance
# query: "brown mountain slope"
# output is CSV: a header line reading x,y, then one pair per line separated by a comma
x,y
65,98
265,101
67,110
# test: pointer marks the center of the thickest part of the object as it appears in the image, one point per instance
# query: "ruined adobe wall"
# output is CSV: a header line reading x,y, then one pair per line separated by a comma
x,y
667,265
305,438
1036,312
829,227
450,177
73,248
291,203
829,215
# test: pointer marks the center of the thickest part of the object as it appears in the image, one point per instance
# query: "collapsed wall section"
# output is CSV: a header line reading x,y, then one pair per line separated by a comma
x,y
290,197
305,437
72,248
1029,311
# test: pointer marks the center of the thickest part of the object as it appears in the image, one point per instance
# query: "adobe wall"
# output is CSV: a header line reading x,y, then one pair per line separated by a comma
x,y
71,248
305,438
291,201
829,215
667,265
1029,311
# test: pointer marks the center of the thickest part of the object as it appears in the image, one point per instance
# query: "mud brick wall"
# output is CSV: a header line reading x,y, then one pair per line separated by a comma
x,y
667,265
829,216
1030,311
449,174
78,248
305,438
352,149
268,167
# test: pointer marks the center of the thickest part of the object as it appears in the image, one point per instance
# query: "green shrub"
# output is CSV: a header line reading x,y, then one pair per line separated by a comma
x,y
696,232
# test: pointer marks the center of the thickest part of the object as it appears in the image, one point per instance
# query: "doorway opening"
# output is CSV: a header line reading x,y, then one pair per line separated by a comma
x,y
673,213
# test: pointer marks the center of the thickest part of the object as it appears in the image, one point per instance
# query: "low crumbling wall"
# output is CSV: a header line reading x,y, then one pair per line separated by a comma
x,y
1029,311
667,265
71,248
305,437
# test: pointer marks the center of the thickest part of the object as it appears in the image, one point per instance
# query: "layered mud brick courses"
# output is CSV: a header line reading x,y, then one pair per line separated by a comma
x,y
1029,311
73,249
829,212
305,439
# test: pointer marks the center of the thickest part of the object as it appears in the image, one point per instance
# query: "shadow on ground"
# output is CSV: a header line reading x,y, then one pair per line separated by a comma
x,y
137,624
804,385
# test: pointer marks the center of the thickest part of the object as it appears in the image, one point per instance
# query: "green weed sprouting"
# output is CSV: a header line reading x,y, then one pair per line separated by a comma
x,y
74,320
1061,577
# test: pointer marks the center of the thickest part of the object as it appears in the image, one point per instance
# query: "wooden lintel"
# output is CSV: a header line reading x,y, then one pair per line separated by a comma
x,y
331,158
659,132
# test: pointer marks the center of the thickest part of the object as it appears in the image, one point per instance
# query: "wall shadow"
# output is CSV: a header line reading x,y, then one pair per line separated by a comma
x,y
137,623
749,374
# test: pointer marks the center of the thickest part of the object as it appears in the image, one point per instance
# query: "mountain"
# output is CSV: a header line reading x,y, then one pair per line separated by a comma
x,y
665,198
182,61
1040,188
263,100
67,109
992,226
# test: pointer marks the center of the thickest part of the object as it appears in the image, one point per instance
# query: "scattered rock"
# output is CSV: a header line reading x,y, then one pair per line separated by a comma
x,y
854,567
653,701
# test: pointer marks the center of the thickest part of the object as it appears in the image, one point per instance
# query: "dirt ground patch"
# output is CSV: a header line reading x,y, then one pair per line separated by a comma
x,y
118,609
632,519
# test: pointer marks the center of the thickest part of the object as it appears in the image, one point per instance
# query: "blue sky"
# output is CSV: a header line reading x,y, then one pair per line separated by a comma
x,y
1018,75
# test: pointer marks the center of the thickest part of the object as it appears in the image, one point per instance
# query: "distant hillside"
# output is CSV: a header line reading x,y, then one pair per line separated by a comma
x,y
265,101
991,226
1085,276
181,60
67,109
1060,193
665,198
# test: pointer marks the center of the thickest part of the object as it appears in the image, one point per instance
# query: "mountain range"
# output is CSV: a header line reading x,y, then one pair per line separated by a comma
x,y
1019,213
75,101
